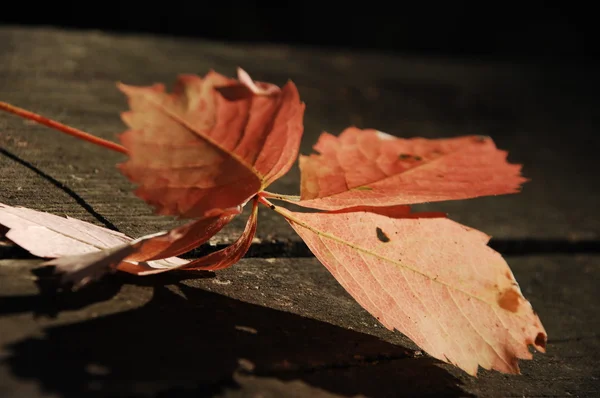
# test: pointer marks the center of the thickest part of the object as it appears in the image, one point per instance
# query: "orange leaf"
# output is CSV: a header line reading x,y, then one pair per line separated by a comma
x,y
433,279
369,167
212,144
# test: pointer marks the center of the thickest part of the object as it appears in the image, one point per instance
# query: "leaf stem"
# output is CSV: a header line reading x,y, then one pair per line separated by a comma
x,y
263,199
62,128
277,209
287,198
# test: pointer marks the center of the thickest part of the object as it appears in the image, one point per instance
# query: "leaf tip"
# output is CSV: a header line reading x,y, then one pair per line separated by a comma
x,y
122,87
242,74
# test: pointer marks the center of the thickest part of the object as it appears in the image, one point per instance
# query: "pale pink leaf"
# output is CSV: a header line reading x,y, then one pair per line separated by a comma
x,y
47,235
433,279
84,252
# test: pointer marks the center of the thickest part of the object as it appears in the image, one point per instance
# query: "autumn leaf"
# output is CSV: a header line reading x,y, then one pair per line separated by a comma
x,y
84,252
433,279
214,261
212,144
216,143
47,235
367,167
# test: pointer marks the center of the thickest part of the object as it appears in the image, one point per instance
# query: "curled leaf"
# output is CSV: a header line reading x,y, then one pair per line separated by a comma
x,y
367,166
217,260
230,255
211,144
151,254
84,252
433,279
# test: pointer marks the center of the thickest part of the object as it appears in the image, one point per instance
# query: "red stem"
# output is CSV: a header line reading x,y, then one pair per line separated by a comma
x,y
63,128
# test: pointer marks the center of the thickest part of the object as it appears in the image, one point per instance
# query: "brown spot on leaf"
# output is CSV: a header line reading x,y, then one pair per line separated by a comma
x,y
404,156
363,188
540,340
381,235
509,300
418,158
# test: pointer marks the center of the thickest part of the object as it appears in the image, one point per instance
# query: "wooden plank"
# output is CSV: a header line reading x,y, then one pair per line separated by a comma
x,y
270,325
545,117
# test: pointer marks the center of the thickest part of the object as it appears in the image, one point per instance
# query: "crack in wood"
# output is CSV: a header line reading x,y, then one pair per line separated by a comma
x,y
298,249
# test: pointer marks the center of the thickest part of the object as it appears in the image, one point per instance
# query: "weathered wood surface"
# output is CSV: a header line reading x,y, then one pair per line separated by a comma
x,y
281,327
544,115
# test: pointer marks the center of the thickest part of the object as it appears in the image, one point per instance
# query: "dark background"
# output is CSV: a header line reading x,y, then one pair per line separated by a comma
x,y
527,30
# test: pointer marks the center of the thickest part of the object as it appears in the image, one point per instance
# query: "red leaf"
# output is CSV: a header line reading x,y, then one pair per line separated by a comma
x,y
230,255
221,259
433,279
212,144
368,167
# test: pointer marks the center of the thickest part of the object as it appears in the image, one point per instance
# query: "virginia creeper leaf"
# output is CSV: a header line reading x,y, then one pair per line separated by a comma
x,y
367,167
215,143
211,144
433,279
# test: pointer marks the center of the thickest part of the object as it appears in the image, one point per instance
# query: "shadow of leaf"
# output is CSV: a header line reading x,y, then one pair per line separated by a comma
x,y
198,345
52,299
